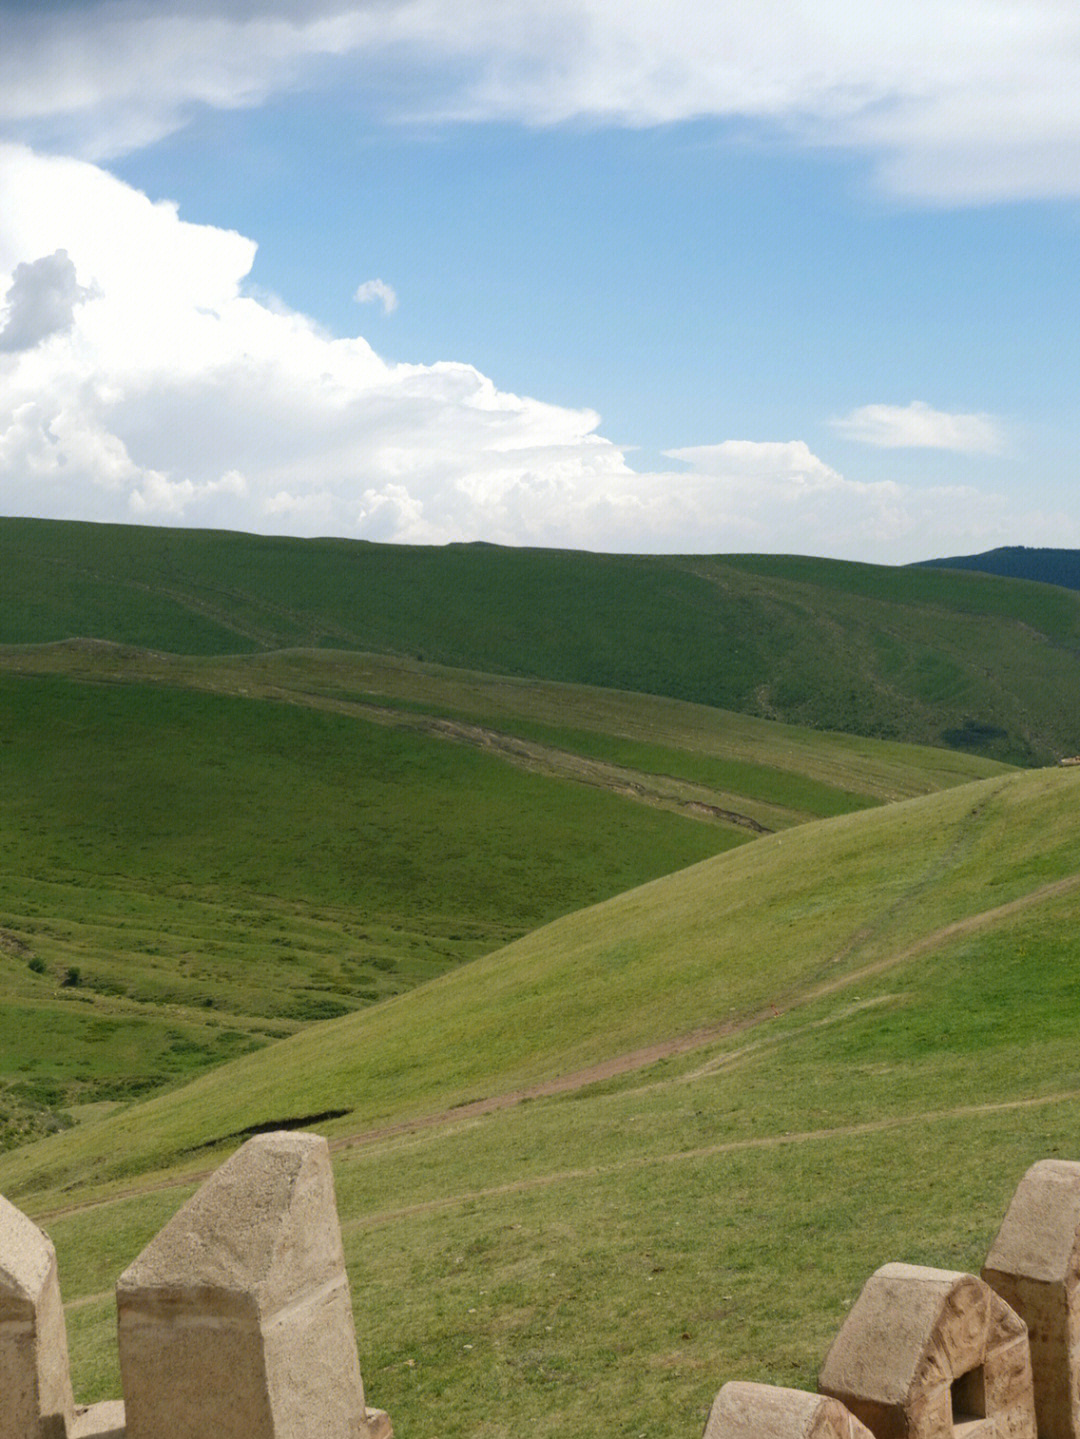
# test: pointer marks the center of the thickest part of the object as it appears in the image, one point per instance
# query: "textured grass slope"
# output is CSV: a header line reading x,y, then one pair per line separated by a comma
x,y
203,854
793,773
718,943
924,655
1023,562
184,875
901,987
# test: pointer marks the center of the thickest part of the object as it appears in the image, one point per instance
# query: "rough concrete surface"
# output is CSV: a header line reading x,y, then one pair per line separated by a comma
x,y
35,1387
1034,1264
235,1321
99,1421
932,1354
762,1411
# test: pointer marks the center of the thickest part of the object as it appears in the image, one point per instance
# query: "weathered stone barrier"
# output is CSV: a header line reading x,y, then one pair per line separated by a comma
x,y
764,1411
1034,1264
933,1354
234,1322
925,1353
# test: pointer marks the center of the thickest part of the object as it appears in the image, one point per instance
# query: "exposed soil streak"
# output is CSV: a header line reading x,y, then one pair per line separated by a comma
x,y
663,790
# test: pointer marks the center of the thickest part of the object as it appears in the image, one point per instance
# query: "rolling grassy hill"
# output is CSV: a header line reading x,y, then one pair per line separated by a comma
x,y
185,875
202,855
661,1142
648,1144
928,656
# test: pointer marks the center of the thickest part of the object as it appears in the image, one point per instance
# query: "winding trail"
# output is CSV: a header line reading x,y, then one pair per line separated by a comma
x,y
707,1151
644,1161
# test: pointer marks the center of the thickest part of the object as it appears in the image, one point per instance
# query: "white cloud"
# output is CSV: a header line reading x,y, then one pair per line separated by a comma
x,y
788,462
377,290
168,394
955,100
919,427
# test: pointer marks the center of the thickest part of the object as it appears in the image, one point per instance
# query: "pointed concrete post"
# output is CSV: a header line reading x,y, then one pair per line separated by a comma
x,y
765,1411
1034,1264
35,1384
235,1321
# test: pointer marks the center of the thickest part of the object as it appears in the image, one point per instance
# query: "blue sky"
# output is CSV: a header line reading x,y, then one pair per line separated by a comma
x,y
633,277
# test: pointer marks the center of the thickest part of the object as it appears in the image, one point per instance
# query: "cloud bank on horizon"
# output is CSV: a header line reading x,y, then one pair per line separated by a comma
x,y
142,383
142,378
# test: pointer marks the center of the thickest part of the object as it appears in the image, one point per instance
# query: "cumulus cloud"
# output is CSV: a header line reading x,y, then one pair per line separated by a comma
x,y
785,461
954,100
919,427
377,291
160,390
41,302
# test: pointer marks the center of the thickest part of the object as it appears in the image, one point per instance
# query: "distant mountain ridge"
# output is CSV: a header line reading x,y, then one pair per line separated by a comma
x,y
1018,562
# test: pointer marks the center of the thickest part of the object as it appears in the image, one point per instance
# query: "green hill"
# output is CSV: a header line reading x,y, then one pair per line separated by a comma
x,y
198,856
922,655
661,1142
649,1143
1020,562
185,875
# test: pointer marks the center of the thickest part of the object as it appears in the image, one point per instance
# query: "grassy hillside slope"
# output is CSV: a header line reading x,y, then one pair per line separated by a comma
x,y
778,774
923,655
184,875
662,1142
201,855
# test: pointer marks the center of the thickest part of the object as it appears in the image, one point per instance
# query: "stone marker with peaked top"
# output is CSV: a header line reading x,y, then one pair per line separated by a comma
x,y
35,1386
235,1321
1034,1264
932,1354
764,1411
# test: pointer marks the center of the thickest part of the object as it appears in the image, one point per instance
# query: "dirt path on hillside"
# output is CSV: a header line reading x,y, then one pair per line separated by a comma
x,y
665,791
666,1049
706,1151
698,1039
642,1058
644,1161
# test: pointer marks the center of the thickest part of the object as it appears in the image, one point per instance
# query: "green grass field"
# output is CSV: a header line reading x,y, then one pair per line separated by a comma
x,y
200,856
651,986
186,875
882,1011
966,660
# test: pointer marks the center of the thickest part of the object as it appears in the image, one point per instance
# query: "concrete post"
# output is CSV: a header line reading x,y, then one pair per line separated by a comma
x,y
235,1321
1034,1264
35,1385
